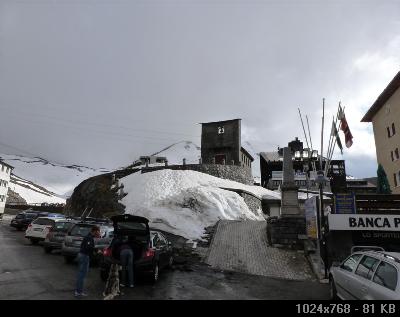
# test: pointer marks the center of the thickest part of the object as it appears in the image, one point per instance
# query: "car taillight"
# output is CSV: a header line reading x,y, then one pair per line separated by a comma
x,y
30,226
107,252
149,253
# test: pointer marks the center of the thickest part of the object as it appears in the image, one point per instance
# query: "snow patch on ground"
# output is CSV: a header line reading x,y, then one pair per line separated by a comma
x,y
185,202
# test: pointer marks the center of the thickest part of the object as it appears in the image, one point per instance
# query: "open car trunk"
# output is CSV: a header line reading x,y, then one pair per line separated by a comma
x,y
133,228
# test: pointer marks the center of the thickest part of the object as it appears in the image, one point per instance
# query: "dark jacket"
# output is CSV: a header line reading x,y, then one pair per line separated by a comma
x,y
87,245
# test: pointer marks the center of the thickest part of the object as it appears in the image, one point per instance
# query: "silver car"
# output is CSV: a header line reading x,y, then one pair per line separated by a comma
x,y
73,239
367,275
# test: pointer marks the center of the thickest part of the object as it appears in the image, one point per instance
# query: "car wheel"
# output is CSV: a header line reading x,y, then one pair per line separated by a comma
x,y
19,229
47,250
156,272
34,241
333,292
68,259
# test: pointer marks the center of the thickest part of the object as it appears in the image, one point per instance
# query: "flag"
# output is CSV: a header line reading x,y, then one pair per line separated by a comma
x,y
334,133
348,137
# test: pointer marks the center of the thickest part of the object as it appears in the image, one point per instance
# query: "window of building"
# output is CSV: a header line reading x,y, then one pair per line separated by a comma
x,y
393,129
397,153
395,179
388,132
391,155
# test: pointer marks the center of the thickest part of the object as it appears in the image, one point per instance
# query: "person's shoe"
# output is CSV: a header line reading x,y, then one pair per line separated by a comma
x,y
84,294
131,286
77,294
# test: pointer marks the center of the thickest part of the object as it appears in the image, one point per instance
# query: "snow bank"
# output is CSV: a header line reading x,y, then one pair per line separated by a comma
x,y
185,202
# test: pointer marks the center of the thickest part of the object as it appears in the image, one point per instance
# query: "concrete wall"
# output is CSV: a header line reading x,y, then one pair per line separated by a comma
x,y
232,172
5,173
384,145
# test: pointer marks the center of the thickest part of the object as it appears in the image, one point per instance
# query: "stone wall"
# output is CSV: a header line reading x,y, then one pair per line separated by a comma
x,y
252,202
232,172
286,231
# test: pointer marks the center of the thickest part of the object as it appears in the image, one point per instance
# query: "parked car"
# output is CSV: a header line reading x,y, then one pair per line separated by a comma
x,y
56,235
73,239
40,227
152,250
367,275
23,219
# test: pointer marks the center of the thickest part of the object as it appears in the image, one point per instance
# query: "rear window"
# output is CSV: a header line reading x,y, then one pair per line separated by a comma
x,y
81,230
131,226
44,222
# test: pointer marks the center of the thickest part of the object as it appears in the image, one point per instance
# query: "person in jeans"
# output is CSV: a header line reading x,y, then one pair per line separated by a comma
x,y
86,251
126,257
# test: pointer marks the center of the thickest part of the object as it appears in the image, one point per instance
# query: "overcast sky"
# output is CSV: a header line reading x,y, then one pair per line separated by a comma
x,y
100,83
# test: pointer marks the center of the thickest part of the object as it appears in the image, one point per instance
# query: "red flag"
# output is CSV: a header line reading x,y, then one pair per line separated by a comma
x,y
345,128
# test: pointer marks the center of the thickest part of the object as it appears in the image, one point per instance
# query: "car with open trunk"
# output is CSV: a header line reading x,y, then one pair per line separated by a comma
x,y
152,251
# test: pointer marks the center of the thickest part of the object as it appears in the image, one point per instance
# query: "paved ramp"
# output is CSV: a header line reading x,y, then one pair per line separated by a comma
x,y
242,246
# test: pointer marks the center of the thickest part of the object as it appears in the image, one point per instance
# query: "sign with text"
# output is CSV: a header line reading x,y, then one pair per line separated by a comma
x,y
345,203
310,206
364,222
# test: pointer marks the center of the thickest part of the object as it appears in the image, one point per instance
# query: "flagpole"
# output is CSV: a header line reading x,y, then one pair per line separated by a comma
x,y
302,124
332,137
312,149
322,133
337,129
332,141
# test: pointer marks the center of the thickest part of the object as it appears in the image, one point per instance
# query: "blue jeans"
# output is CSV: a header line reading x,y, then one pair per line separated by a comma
x,y
83,262
127,265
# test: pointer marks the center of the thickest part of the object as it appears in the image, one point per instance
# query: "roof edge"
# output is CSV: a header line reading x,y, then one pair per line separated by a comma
x,y
390,89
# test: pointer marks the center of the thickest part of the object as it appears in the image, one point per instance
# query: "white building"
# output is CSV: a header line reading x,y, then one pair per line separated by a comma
x,y
5,174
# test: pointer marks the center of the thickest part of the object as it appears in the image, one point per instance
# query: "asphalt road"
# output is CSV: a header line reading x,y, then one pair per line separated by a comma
x,y
26,272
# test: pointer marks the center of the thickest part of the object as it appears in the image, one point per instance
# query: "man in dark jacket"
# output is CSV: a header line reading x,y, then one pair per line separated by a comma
x,y
86,251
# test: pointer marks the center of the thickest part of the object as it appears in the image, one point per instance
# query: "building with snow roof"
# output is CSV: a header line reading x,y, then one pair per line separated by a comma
x,y
5,175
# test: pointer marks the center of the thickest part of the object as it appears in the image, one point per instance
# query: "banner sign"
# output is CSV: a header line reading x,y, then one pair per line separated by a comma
x,y
311,217
345,203
364,222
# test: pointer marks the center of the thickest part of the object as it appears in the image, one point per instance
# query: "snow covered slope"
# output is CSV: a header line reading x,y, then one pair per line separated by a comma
x,y
32,193
38,180
185,202
176,152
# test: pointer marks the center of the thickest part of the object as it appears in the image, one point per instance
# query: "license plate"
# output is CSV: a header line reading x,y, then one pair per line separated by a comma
x,y
37,229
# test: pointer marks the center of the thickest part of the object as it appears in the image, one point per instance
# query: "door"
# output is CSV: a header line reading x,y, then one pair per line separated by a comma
x,y
220,159
343,275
